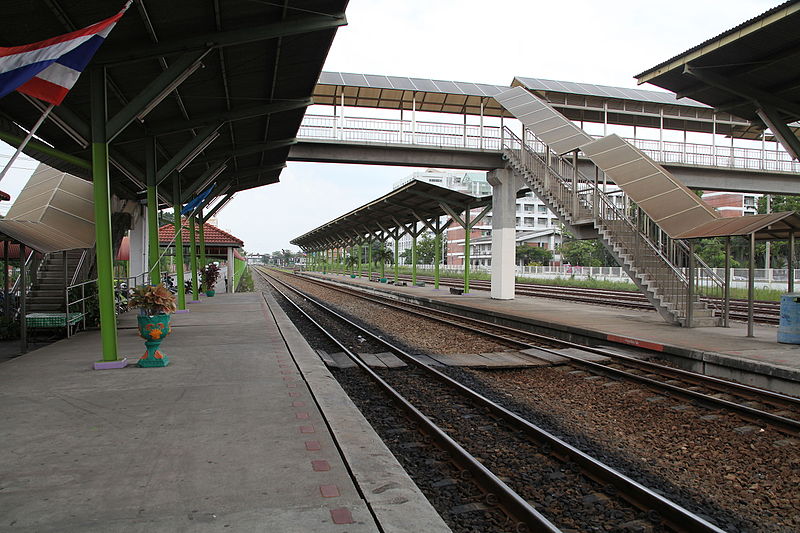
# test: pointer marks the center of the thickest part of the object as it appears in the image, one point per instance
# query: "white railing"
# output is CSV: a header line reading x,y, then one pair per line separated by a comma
x,y
773,278
473,137
388,131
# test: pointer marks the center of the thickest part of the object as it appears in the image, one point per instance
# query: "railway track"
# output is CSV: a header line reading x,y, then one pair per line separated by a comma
x,y
765,312
755,405
515,462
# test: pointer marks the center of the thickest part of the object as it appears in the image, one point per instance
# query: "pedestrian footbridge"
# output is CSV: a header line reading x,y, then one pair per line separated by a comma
x,y
645,221
476,144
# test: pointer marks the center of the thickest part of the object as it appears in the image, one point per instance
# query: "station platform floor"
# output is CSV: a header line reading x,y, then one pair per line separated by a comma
x,y
245,430
724,352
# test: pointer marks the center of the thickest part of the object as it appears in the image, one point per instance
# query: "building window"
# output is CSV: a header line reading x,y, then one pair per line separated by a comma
x,y
528,209
540,221
542,209
529,221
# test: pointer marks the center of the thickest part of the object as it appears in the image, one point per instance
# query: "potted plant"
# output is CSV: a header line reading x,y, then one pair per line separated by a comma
x,y
209,275
155,303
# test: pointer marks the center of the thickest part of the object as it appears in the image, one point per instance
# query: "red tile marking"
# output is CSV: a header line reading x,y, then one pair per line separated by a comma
x,y
636,342
298,404
288,378
329,491
287,371
341,516
285,366
301,416
320,466
293,394
313,445
291,385
306,429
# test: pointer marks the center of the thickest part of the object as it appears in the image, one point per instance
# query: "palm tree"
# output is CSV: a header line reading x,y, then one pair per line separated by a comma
x,y
383,255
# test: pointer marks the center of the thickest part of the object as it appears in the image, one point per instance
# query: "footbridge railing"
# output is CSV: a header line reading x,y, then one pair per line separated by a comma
x,y
667,272
491,138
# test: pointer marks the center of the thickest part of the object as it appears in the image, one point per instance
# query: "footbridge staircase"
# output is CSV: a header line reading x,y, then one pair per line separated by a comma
x,y
637,220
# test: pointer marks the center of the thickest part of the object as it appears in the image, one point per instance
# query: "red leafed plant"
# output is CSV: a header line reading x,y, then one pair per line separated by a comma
x,y
153,300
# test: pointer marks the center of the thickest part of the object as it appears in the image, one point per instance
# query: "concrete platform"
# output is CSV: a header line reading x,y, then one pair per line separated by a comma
x,y
245,430
724,352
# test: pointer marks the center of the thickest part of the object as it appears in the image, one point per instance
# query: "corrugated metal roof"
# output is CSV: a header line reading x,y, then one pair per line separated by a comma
x,y
401,205
606,91
721,36
778,226
259,54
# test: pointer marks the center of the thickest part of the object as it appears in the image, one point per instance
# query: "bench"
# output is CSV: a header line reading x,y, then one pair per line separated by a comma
x,y
52,320
454,290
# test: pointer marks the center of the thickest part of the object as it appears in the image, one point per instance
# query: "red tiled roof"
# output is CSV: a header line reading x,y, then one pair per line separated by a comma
x,y
13,252
213,235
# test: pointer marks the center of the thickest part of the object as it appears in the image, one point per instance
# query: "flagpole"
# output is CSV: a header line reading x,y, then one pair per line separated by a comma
x,y
26,140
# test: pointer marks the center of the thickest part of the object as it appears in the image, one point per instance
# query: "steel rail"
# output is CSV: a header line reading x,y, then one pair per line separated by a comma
x,y
678,518
786,424
513,503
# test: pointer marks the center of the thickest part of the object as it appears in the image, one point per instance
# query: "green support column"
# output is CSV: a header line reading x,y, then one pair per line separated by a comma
x,y
358,259
383,260
102,222
437,256
396,259
369,258
176,195
414,257
466,250
193,261
203,262
153,266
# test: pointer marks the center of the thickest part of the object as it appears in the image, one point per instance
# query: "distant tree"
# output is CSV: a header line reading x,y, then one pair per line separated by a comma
x,y
586,253
382,255
265,259
778,203
529,255
426,251
712,252
165,217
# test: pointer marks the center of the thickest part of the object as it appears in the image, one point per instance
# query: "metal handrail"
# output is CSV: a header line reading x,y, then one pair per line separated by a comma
x,y
79,266
574,193
82,300
471,136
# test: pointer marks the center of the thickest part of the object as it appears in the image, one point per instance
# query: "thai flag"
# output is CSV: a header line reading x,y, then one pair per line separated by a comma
x,y
48,69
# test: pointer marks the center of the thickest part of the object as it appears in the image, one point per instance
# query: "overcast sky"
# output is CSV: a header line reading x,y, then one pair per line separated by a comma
x,y
605,42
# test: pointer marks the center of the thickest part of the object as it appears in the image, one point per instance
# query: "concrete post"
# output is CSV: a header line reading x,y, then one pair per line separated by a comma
x,y
505,185
138,238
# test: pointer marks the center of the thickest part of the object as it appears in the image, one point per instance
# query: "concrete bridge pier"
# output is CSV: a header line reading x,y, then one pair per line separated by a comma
x,y
505,185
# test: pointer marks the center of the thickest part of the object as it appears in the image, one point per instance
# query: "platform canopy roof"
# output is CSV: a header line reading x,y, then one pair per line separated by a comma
x,y
242,69
405,205
751,70
772,226
577,101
